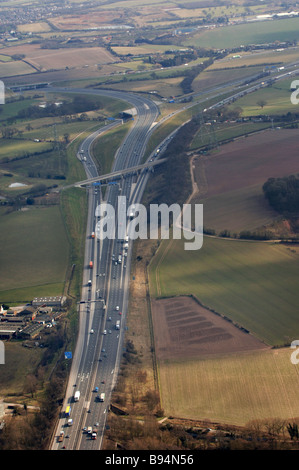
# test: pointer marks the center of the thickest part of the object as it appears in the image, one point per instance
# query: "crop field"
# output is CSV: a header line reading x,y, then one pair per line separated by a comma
x,y
5,58
231,388
184,329
48,59
144,49
164,87
276,57
230,180
247,33
86,21
18,67
38,27
36,251
211,78
255,284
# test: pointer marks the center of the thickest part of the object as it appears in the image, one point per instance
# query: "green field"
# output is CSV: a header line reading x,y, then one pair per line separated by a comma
x,y
247,33
232,389
277,98
253,283
20,363
12,148
225,131
36,252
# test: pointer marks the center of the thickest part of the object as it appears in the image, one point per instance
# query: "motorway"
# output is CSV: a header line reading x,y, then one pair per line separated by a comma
x,y
97,356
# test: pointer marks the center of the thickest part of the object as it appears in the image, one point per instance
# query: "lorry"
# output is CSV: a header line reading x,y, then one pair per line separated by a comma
x,y
70,422
92,235
90,264
117,325
61,436
68,411
102,397
94,434
89,282
119,259
89,430
77,396
132,211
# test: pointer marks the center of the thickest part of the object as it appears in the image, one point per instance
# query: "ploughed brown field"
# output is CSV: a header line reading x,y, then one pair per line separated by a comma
x,y
230,180
252,160
185,329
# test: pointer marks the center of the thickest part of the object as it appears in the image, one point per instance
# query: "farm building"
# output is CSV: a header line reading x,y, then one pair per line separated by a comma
x,y
9,328
57,301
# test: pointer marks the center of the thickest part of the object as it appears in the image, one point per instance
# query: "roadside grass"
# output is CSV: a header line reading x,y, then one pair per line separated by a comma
x,y
105,147
168,126
252,283
231,389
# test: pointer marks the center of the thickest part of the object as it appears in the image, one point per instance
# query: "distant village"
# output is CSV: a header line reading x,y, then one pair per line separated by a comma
x,y
27,321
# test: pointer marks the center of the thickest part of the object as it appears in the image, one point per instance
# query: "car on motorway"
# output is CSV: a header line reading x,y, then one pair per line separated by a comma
x,y
91,331
104,332
117,308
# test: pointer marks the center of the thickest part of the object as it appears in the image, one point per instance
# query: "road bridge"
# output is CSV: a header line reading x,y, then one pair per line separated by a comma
x,y
117,174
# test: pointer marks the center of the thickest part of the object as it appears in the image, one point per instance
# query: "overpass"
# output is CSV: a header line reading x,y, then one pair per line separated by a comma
x,y
117,174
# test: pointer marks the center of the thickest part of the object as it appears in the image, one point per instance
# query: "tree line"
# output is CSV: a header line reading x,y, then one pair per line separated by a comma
x,y
78,105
